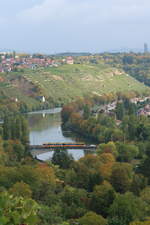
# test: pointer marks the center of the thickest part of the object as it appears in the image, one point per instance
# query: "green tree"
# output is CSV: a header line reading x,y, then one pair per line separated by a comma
x,y
127,208
62,158
17,210
87,172
139,182
127,152
121,177
145,194
140,223
74,202
21,189
92,218
86,111
51,215
120,111
7,128
144,167
101,198
128,59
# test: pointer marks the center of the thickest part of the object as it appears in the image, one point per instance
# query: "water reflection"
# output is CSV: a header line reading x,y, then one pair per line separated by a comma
x,y
45,126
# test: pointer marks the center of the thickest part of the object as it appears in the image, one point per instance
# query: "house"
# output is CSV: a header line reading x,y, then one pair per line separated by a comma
x,y
144,111
1,78
70,60
41,98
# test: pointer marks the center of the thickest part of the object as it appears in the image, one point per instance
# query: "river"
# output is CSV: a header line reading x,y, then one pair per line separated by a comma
x,y
45,126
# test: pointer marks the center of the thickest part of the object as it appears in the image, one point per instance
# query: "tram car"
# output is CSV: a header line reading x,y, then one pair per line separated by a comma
x,y
63,145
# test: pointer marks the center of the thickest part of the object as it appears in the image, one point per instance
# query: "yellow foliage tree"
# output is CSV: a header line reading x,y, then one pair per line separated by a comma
x,y
21,189
140,223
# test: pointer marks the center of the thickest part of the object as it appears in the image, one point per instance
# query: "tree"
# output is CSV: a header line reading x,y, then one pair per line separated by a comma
x,y
139,182
66,113
62,158
17,210
127,208
86,112
25,131
142,132
132,127
110,147
3,154
50,215
74,202
128,59
117,135
140,223
15,127
121,177
87,172
101,198
107,162
15,150
19,151
145,194
127,152
144,167
21,189
92,218
7,128
120,111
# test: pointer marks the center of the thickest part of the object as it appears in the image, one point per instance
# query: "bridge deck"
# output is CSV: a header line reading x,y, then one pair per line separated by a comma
x,y
42,147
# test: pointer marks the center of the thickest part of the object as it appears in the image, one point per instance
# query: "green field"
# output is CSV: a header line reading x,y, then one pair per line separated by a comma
x,y
65,83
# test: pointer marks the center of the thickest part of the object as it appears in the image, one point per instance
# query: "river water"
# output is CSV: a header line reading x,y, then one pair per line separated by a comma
x,y
45,126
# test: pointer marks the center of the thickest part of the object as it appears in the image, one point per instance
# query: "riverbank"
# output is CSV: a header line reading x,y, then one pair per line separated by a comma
x,y
45,126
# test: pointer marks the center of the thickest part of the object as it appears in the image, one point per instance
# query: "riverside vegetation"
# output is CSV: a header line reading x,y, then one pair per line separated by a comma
x,y
108,188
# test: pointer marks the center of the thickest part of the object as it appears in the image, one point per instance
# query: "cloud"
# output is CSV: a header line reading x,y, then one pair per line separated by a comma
x,y
87,11
47,10
3,22
77,24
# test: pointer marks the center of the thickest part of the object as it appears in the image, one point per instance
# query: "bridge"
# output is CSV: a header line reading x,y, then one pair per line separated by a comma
x,y
57,147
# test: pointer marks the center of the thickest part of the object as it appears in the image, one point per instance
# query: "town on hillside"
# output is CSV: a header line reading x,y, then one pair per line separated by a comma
x,y
12,61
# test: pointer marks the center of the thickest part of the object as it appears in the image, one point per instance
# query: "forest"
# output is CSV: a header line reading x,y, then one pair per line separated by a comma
x,y
110,187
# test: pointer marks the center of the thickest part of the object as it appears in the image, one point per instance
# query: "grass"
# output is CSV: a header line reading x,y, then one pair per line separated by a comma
x,y
65,83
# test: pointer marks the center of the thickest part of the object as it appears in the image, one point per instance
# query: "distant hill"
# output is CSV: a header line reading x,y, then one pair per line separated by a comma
x,y
65,83
73,54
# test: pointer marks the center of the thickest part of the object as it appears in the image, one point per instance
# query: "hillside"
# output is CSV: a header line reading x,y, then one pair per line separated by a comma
x,y
63,84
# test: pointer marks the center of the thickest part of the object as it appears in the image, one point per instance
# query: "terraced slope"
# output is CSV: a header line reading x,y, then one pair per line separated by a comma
x,y
64,83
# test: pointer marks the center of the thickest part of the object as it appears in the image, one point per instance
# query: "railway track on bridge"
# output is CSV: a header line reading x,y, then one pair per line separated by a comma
x,y
62,146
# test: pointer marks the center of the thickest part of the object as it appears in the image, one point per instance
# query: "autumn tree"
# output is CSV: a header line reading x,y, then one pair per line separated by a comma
x,y
21,189
110,147
121,177
107,162
140,223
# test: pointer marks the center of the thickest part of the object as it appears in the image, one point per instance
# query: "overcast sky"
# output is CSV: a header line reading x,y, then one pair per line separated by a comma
x,y
52,26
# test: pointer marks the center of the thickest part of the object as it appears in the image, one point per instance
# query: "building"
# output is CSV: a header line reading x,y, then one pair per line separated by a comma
x,y
70,60
43,99
145,48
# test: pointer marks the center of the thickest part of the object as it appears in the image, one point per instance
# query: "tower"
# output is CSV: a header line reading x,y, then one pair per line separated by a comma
x,y
145,48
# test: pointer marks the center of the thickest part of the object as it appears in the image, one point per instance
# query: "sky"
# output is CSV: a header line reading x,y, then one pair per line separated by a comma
x,y
53,26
